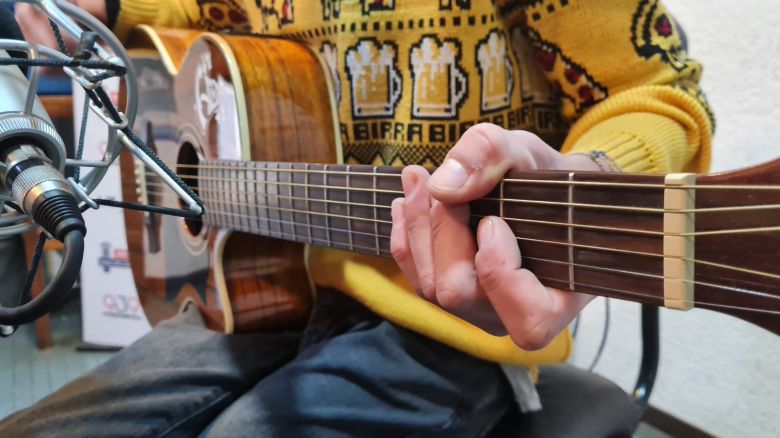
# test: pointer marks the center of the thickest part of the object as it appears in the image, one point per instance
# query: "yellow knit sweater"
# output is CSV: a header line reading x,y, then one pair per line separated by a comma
x,y
412,75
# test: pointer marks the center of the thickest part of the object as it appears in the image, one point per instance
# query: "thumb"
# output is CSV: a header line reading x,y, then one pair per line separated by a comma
x,y
481,158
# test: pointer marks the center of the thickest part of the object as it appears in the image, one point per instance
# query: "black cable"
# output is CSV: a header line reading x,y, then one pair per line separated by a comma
x,y
56,291
106,101
88,63
180,212
25,296
603,336
82,134
58,37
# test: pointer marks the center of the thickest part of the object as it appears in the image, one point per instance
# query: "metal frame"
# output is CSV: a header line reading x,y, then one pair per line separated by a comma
x,y
69,18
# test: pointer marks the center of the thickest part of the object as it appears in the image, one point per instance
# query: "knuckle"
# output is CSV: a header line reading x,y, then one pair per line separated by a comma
x,y
532,338
489,273
452,290
535,331
437,219
427,281
400,250
416,222
485,141
449,299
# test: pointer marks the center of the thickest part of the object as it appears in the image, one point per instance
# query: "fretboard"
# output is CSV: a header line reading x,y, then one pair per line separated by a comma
x,y
590,232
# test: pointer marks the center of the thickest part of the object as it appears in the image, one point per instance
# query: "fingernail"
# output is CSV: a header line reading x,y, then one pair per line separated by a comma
x,y
450,176
485,231
409,182
395,209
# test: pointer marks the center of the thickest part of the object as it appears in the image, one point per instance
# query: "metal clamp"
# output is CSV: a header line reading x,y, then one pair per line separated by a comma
x,y
81,192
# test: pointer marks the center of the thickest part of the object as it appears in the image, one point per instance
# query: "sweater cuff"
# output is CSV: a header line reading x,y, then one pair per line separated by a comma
x,y
636,142
171,13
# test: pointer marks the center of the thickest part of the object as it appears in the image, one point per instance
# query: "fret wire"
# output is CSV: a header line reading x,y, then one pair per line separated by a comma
x,y
376,224
276,191
349,206
246,196
265,189
308,206
259,218
570,232
327,210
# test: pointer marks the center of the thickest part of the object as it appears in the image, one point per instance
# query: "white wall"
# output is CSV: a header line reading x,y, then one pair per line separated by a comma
x,y
716,372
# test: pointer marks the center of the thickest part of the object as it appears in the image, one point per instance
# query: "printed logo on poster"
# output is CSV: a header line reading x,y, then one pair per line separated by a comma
x,y
118,258
121,306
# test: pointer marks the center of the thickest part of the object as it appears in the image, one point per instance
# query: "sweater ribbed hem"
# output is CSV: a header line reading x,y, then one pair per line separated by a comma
x,y
638,142
669,127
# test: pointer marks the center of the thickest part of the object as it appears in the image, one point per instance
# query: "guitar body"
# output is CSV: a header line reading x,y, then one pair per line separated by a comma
x,y
241,282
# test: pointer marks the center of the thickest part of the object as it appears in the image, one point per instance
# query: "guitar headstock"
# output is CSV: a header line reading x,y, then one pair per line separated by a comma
x,y
737,244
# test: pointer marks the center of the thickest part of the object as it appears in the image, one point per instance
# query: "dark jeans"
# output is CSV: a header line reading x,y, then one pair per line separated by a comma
x,y
350,374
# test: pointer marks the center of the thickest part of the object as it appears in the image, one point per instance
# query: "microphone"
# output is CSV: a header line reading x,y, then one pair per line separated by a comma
x,y
32,155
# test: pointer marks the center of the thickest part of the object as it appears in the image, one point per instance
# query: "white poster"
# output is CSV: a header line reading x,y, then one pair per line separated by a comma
x,y
111,311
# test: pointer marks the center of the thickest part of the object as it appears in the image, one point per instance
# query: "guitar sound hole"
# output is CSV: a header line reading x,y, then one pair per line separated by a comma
x,y
186,161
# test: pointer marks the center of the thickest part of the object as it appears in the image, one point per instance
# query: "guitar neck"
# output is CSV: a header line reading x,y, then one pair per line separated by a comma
x,y
577,231
626,236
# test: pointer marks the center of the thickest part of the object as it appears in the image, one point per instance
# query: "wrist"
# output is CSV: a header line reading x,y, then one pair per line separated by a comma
x,y
595,160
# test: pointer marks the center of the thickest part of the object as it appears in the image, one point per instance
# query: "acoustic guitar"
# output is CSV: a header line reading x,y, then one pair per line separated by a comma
x,y
250,124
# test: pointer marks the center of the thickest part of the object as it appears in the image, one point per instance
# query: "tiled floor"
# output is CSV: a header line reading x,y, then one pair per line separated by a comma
x,y
28,374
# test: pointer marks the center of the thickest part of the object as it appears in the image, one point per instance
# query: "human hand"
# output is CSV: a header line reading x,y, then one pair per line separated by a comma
x,y
37,30
480,281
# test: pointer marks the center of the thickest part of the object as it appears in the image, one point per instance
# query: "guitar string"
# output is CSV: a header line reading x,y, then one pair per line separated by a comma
x,y
269,208
509,200
295,237
520,180
662,277
620,291
560,224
